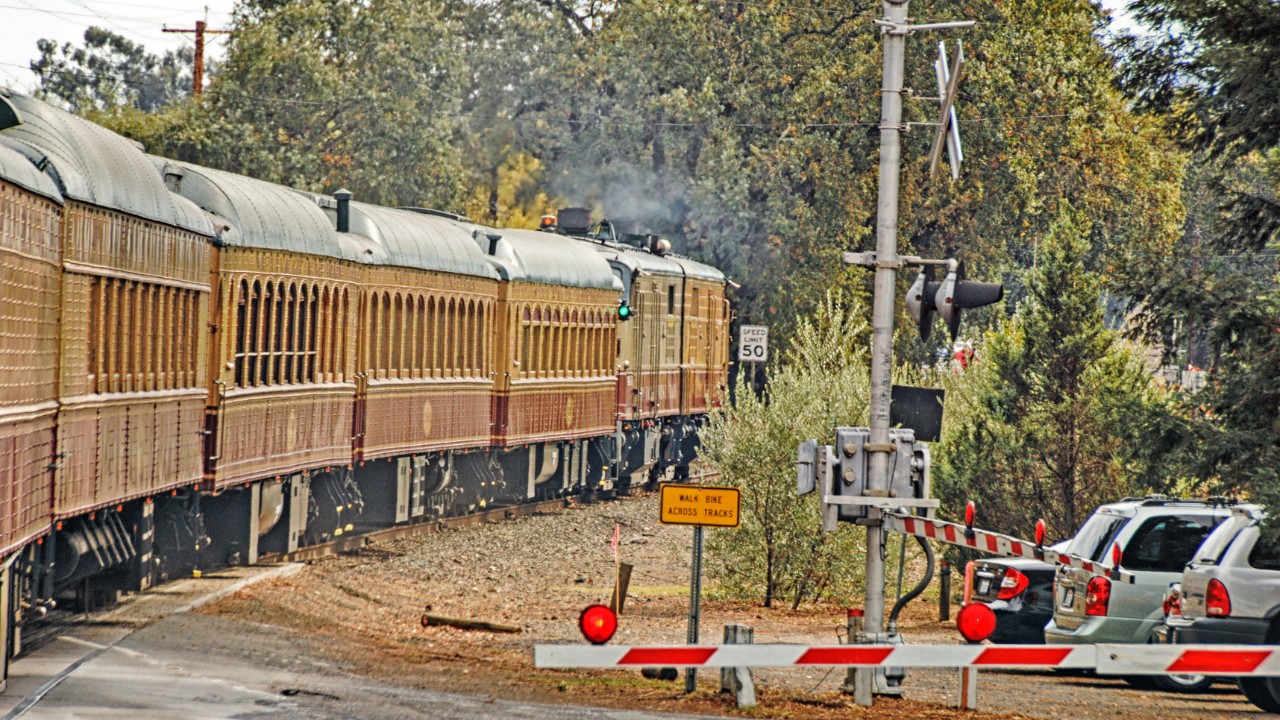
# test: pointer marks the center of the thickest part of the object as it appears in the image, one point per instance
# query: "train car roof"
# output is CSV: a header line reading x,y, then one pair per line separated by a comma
x,y
638,260
551,259
415,240
649,264
91,164
257,214
695,269
16,168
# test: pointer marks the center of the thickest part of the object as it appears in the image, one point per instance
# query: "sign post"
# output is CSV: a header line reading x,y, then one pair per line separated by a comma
x,y
700,507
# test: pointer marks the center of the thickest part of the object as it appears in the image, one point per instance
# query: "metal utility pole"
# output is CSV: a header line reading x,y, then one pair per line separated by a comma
x,y
895,28
882,308
197,72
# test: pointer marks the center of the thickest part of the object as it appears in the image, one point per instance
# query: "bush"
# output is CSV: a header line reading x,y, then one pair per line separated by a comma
x,y
780,550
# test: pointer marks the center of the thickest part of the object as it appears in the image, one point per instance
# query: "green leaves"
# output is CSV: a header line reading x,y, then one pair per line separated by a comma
x,y
110,72
1053,418
780,551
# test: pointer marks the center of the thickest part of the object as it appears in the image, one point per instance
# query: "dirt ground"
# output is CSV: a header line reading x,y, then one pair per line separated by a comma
x,y
365,610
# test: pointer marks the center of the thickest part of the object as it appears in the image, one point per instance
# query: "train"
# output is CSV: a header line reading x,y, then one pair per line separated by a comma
x,y
199,368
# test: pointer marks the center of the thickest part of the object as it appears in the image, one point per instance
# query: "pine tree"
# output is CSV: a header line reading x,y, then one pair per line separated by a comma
x,y
1049,421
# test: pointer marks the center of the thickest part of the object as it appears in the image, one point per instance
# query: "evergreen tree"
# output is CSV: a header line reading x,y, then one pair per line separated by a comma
x,y
1048,422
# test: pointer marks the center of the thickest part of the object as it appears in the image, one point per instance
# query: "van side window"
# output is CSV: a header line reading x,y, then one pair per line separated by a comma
x,y
1166,544
1265,554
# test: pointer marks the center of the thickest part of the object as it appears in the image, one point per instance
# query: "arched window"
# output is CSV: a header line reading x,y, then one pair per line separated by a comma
x,y
397,337
420,363
451,339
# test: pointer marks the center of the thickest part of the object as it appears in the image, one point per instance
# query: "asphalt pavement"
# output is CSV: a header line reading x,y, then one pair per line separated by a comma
x,y
151,657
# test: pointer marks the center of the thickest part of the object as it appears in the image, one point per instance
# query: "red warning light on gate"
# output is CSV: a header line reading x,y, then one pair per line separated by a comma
x,y
598,623
976,621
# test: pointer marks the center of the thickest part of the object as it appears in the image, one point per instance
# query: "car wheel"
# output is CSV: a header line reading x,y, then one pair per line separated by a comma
x,y
1182,683
1262,691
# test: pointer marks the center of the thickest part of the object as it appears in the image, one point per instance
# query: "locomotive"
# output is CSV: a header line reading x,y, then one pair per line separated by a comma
x,y
199,368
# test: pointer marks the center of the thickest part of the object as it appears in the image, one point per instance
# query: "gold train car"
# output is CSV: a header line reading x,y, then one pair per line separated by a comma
x,y
30,275
199,368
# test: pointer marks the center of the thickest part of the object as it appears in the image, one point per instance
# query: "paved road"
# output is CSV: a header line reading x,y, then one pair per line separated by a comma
x,y
196,667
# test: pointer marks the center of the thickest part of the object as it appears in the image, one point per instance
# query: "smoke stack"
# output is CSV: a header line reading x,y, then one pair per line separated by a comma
x,y
344,209
574,221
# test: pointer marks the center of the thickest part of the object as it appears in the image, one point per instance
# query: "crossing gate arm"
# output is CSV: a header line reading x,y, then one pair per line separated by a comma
x,y
994,543
1228,660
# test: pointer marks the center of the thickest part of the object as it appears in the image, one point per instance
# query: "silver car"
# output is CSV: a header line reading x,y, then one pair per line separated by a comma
x,y
1154,539
1231,594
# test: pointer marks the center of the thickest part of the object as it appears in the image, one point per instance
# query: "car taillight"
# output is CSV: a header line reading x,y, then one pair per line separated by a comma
x,y
1216,600
1097,595
1012,585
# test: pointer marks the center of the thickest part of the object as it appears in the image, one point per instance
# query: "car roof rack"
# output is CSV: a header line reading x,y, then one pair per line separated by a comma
x,y
1159,500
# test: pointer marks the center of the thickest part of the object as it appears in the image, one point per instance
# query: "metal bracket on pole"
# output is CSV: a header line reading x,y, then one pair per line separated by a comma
x,y
888,27
868,260
882,503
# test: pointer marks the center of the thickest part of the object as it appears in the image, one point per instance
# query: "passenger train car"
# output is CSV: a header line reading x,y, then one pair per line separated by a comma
x,y
198,368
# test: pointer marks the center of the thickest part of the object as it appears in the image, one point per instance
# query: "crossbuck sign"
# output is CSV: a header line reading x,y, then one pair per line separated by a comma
x,y
753,343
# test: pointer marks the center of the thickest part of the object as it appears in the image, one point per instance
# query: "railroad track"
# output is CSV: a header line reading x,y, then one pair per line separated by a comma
x,y
39,633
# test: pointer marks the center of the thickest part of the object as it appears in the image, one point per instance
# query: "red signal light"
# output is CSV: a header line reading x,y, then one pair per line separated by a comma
x,y
1116,555
1217,602
1040,529
598,623
968,514
976,622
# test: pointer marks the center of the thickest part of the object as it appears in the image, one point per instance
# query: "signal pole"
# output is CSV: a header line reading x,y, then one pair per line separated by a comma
x,y
882,308
895,28
197,72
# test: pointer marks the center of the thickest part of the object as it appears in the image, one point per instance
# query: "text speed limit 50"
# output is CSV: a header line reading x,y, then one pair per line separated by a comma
x,y
753,343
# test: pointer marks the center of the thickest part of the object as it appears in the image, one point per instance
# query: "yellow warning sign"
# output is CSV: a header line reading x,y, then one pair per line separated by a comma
x,y
698,505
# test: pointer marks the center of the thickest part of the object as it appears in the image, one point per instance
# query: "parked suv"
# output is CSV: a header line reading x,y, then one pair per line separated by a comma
x,y
1231,594
1156,537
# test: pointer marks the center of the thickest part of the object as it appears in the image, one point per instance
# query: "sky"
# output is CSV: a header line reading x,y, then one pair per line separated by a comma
x,y
23,22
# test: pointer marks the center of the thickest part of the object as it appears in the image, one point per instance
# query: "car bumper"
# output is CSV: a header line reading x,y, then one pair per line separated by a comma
x,y
1020,628
1099,629
1220,631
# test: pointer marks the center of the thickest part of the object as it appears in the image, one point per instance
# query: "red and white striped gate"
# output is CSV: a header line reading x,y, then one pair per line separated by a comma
x,y
1233,660
993,543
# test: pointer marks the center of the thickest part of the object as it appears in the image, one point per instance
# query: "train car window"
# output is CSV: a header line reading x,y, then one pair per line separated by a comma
x,y
323,368
671,299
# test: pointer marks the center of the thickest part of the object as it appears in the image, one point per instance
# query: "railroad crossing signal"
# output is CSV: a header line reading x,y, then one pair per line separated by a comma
x,y
948,297
753,343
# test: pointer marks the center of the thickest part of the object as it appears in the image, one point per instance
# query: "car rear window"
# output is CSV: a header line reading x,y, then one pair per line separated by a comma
x,y
1166,544
1265,554
1096,535
1214,546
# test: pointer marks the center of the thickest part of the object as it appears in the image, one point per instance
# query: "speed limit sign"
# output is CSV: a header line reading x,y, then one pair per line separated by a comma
x,y
753,343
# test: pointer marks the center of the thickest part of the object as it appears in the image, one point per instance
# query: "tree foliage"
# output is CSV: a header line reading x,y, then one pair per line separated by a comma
x,y
780,553
1211,69
109,71
1052,419
322,94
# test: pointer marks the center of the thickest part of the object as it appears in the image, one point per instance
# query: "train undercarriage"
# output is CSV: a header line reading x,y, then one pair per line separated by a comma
x,y
87,562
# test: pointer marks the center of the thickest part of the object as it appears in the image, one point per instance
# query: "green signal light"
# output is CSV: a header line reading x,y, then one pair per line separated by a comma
x,y
624,311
